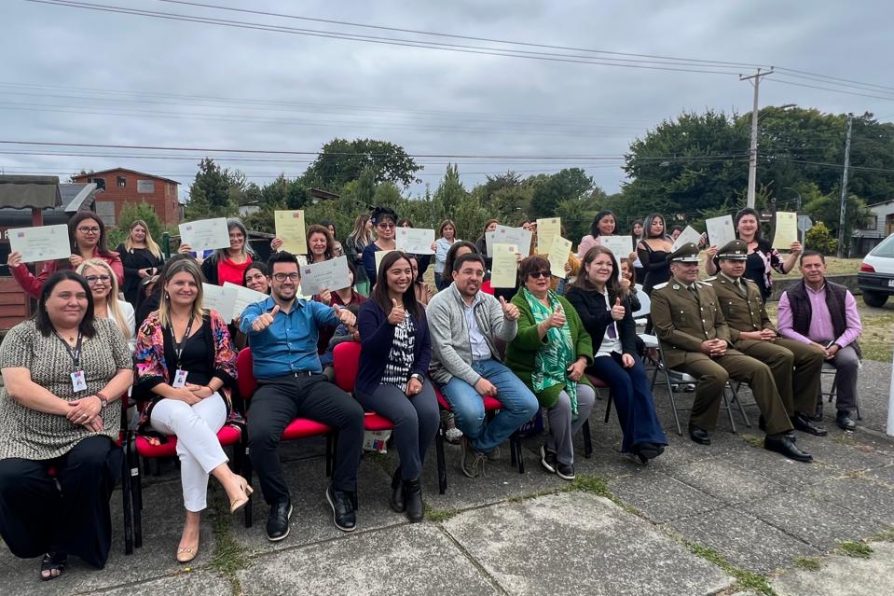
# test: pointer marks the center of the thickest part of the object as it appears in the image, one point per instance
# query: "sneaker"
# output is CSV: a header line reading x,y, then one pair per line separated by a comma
x,y
472,462
494,454
342,504
453,436
565,471
547,459
278,520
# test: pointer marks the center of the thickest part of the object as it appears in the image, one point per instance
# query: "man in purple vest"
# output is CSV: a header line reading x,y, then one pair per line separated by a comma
x,y
824,315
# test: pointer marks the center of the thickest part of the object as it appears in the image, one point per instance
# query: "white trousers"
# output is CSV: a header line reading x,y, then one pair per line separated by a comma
x,y
199,450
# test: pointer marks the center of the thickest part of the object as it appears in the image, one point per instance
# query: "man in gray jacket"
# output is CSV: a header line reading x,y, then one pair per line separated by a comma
x,y
464,324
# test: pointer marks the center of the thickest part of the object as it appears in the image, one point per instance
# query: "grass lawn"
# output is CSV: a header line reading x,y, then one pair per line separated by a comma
x,y
834,266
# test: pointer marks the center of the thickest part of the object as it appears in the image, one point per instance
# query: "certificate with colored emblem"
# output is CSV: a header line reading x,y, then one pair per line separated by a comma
x,y
720,230
222,299
44,243
547,229
289,227
504,270
244,297
559,252
415,241
520,237
329,275
786,230
205,234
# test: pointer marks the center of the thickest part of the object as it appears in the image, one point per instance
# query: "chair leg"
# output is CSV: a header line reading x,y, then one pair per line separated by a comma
x,y
739,403
516,448
670,393
442,464
729,408
127,494
137,492
588,440
608,408
240,452
330,453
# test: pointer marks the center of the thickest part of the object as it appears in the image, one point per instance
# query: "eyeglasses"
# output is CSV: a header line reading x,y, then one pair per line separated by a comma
x,y
385,226
88,230
93,279
295,276
539,274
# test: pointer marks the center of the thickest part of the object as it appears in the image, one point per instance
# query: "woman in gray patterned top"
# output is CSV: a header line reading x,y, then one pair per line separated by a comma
x,y
64,372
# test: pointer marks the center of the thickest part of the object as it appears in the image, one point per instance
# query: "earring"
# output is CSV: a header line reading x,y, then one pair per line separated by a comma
x,y
167,296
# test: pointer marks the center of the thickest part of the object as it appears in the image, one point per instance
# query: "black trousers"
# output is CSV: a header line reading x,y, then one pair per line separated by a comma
x,y
279,401
36,517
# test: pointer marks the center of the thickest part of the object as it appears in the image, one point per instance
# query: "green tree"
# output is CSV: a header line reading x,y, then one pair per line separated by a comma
x,y
820,238
130,212
450,191
570,183
340,161
213,192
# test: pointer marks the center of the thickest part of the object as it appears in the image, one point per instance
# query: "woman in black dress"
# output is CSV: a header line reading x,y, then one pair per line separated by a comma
x,y
653,251
141,258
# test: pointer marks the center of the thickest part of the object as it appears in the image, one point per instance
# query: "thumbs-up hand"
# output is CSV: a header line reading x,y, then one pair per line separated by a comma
x,y
397,314
618,311
510,311
265,320
557,319
344,315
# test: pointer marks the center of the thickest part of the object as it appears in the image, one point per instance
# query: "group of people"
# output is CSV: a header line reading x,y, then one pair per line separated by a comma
x,y
537,346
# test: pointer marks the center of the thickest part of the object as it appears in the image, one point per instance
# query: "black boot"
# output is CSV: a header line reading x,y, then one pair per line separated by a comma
x,y
413,499
397,493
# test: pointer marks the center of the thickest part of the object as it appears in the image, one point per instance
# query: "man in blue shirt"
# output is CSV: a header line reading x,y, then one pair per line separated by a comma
x,y
282,332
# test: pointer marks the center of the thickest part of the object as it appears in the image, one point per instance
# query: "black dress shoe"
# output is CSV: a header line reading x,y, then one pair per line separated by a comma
x,y
805,425
784,445
413,498
278,520
647,451
342,504
844,421
699,435
762,424
397,493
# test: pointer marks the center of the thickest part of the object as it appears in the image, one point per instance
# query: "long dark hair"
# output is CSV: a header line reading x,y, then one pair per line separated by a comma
x,y
75,221
42,317
380,292
583,279
647,226
748,211
451,254
594,227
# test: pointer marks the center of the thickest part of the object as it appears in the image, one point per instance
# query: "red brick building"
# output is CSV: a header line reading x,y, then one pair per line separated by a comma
x,y
120,186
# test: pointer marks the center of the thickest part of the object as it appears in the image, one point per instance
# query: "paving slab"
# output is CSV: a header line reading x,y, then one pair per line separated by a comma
x,y
410,559
722,479
743,539
843,575
862,497
194,583
661,498
578,543
757,462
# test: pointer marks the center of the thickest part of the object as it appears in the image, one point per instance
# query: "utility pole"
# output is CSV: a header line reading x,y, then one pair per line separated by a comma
x,y
752,153
847,163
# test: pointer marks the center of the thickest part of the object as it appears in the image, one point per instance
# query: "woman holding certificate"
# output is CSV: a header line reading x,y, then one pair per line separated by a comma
x,y
320,244
64,371
185,368
605,312
653,251
141,258
392,380
88,240
384,221
762,257
228,264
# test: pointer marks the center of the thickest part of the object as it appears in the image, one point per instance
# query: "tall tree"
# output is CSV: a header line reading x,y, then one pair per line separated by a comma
x,y
209,195
570,183
341,161
450,191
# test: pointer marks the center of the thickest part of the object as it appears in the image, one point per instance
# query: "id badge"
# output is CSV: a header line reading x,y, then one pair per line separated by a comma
x,y
179,379
78,381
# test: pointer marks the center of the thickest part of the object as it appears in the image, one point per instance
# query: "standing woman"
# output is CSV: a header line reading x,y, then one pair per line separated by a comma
x,y
106,305
185,369
653,251
228,264
141,258
392,380
64,372
604,224
423,291
88,240
337,248
446,239
320,244
762,257
602,306
636,231
549,354
384,220
489,226
359,238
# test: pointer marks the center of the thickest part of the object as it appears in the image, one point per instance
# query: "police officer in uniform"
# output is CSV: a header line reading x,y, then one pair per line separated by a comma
x,y
695,339
796,366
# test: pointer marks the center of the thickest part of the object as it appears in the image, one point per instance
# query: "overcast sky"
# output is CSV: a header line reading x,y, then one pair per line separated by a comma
x,y
70,75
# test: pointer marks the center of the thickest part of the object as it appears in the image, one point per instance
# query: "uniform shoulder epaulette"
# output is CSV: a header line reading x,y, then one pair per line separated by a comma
x,y
712,278
659,286
749,281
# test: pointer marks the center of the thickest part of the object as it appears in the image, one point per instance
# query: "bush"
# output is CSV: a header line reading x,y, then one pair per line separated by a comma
x,y
819,238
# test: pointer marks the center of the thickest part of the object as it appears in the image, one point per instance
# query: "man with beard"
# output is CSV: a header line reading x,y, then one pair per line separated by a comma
x,y
464,324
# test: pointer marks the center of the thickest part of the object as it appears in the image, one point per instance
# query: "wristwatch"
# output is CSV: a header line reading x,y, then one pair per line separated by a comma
x,y
416,376
102,398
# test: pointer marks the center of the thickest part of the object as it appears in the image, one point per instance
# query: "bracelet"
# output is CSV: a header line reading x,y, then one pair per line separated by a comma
x,y
104,401
210,389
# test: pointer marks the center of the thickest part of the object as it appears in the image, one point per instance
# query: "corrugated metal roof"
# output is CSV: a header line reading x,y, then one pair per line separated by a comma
x,y
30,192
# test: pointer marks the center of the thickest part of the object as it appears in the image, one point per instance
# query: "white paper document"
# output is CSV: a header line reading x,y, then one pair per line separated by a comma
x,y
415,241
222,299
689,234
547,229
559,251
45,243
504,271
380,254
244,297
720,230
520,237
329,275
786,230
289,226
205,234
621,246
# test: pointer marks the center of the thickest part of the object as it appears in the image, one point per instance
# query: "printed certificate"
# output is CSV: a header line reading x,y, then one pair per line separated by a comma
x,y
559,251
45,243
520,237
547,229
621,247
689,234
205,234
720,230
379,254
786,230
221,299
289,227
244,297
415,241
329,275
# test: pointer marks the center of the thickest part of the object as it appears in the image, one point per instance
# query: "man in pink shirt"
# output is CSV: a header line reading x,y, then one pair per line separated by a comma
x,y
824,315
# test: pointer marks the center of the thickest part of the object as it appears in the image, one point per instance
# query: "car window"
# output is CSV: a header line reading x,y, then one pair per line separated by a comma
x,y
885,249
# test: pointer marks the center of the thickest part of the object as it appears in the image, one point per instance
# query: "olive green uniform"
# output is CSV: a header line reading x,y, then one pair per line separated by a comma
x,y
683,318
796,366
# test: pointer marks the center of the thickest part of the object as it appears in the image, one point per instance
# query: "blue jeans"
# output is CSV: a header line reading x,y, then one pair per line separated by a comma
x,y
519,405
633,400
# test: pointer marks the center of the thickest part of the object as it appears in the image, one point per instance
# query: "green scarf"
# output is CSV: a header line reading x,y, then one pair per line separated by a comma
x,y
553,358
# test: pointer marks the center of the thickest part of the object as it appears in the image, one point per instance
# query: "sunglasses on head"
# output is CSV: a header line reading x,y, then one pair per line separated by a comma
x,y
539,274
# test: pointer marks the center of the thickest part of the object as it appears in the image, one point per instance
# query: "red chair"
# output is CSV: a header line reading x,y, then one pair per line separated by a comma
x,y
491,406
299,428
346,363
232,434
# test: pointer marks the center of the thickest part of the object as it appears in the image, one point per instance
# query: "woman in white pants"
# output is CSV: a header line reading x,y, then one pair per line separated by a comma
x,y
185,367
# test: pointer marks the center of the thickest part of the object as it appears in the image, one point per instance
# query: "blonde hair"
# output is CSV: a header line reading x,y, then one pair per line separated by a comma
x,y
151,245
172,268
112,300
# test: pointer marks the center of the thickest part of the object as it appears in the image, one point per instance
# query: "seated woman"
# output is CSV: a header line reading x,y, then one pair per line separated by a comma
x,y
392,380
185,367
256,278
597,297
104,288
549,353
64,372
344,297
422,290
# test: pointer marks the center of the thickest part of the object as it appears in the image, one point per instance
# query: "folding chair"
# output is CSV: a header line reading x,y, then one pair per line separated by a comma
x,y
828,369
299,428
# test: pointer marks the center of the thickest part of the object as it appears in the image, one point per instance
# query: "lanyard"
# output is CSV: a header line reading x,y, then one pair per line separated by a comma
x,y
75,354
178,346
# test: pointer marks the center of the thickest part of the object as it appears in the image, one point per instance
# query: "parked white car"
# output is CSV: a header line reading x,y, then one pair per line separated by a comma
x,y
876,277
